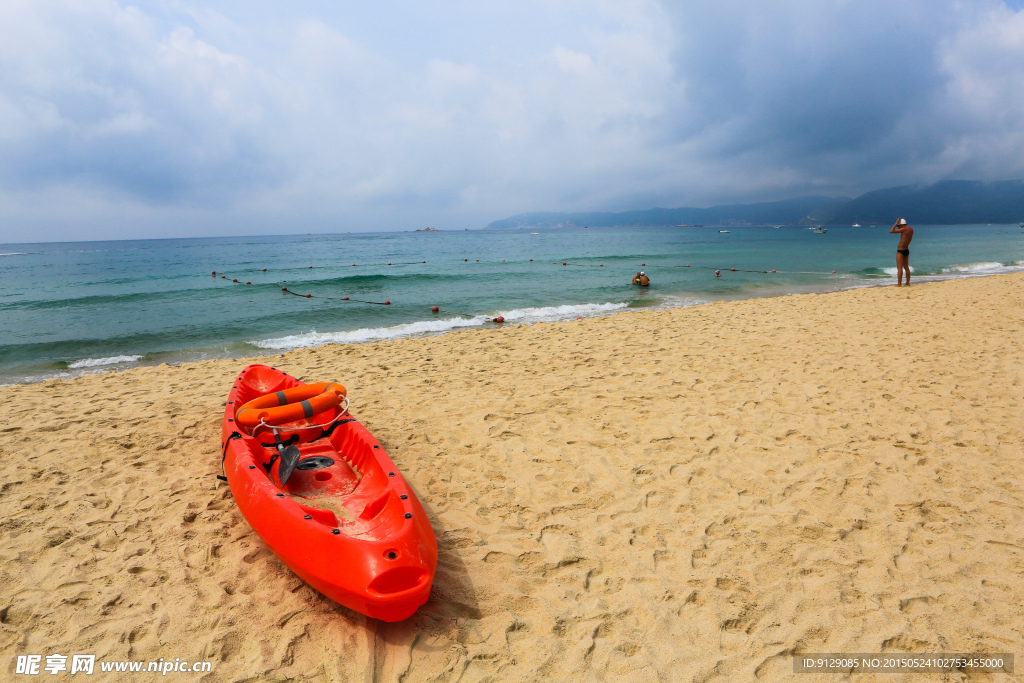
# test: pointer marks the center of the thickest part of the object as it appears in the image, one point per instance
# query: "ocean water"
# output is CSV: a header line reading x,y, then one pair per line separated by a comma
x,y
72,308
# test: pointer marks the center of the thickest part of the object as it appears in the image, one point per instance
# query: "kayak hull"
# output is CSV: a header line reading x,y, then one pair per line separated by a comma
x,y
346,521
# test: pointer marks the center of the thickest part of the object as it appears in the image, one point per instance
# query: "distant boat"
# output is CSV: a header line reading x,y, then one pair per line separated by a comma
x,y
687,225
723,231
856,225
534,233
776,226
820,231
428,230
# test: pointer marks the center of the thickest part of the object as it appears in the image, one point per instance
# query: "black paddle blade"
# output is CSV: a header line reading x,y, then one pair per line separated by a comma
x,y
289,459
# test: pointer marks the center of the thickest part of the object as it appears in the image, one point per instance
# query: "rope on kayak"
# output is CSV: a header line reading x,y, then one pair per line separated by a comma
x,y
386,302
224,454
329,430
275,428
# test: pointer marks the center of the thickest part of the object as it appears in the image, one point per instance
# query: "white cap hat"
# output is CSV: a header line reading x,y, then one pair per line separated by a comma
x,y
903,221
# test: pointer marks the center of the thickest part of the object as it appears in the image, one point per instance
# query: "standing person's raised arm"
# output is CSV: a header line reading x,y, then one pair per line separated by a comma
x,y
895,226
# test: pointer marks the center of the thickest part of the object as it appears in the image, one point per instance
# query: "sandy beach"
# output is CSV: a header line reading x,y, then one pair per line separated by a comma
x,y
692,494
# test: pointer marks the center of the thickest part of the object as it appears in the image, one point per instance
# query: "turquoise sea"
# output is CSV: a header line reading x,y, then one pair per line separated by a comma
x,y
71,308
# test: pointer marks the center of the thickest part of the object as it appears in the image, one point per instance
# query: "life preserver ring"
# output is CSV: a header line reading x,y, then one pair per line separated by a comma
x,y
290,405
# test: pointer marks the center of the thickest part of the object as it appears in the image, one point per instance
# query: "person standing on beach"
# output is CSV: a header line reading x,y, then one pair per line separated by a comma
x,y
906,234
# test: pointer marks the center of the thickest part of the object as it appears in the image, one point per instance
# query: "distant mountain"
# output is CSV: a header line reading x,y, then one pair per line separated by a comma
x,y
948,202
765,213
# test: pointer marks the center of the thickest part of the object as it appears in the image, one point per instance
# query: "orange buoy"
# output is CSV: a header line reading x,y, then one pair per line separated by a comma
x,y
833,272
344,298
773,270
499,319
247,282
435,309
733,269
264,270
309,296
386,302
297,403
284,289
234,279
214,273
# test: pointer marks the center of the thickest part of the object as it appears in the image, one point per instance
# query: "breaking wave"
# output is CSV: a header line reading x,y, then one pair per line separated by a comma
x,y
98,362
429,327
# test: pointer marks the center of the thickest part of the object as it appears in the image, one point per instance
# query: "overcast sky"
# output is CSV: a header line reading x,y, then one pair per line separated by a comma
x,y
221,117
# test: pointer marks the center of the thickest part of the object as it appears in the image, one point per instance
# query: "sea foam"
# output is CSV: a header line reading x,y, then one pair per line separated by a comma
x,y
565,312
985,267
313,338
423,327
892,271
97,362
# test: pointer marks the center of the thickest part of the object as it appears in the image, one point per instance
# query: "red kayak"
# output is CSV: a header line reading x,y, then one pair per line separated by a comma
x,y
324,496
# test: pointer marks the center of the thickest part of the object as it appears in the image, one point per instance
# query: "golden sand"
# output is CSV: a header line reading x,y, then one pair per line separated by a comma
x,y
691,494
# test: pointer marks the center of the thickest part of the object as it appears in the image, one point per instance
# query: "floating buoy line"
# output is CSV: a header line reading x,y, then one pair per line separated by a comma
x,y
499,319
285,290
335,298
347,265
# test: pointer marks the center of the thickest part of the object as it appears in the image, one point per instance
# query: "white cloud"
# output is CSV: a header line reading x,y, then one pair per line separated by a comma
x,y
233,117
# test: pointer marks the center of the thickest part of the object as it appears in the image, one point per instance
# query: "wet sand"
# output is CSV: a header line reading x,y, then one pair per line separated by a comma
x,y
690,494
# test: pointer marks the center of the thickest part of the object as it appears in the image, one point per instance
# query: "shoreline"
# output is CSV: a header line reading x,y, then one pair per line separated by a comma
x,y
91,366
685,493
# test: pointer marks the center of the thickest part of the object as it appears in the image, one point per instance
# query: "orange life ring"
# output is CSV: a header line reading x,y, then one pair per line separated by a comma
x,y
290,405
